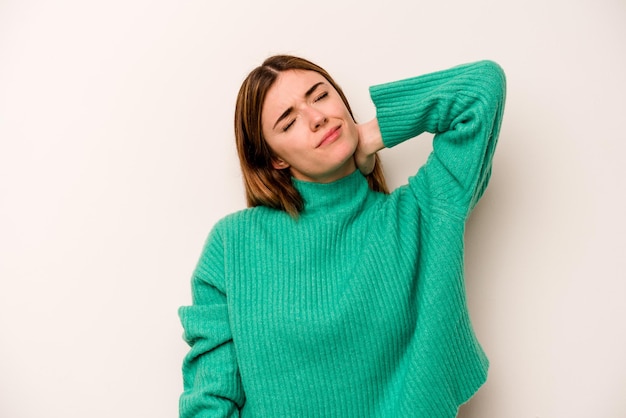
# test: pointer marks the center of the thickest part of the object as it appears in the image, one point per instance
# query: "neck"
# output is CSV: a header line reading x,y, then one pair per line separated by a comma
x,y
336,198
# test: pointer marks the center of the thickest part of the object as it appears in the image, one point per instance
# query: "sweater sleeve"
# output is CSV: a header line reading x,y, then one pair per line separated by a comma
x,y
463,107
211,380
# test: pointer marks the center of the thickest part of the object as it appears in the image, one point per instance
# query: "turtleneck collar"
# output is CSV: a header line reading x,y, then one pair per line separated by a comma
x,y
342,196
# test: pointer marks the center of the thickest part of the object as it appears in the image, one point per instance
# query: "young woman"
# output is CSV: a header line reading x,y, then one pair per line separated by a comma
x,y
330,297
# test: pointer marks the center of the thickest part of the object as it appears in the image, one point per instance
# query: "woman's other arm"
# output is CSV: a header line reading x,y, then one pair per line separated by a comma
x,y
212,385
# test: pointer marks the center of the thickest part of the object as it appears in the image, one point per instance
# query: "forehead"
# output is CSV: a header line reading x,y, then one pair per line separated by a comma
x,y
289,87
291,81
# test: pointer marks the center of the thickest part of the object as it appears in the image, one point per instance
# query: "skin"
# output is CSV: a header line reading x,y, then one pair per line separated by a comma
x,y
311,132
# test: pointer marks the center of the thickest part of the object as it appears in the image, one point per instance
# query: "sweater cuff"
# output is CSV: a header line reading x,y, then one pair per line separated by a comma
x,y
393,103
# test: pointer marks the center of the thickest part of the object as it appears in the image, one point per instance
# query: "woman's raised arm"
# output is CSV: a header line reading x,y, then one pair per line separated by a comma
x,y
463,107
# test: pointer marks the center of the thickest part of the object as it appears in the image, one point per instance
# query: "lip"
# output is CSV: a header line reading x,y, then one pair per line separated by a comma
x,y
330,136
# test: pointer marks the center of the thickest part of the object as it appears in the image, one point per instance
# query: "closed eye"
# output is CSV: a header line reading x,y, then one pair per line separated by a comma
x,y
321,96
289,125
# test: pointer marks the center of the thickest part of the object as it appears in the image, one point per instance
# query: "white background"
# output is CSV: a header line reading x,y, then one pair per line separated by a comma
x,y
117,156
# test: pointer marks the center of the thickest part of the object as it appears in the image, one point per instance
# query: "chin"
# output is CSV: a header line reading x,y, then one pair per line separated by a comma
x,y
347,167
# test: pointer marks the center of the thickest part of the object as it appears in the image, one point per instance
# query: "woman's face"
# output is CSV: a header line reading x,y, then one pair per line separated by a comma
x,y
308,127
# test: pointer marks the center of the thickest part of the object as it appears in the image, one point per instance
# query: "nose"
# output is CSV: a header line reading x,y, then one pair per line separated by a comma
x,y
317,119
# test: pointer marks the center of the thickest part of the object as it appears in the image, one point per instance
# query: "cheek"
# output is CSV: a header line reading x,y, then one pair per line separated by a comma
x,y
350,123
289,147
352,131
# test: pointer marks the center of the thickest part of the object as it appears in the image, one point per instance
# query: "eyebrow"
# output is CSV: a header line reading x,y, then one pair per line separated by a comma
x,y
307,94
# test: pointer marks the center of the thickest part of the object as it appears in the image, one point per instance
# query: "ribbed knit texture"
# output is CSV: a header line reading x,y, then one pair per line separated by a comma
x,y
357,308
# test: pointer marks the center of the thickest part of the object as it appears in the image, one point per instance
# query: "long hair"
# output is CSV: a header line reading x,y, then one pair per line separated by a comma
x,y
265,185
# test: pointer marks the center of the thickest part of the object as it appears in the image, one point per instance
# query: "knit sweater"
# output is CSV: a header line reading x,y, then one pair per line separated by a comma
x,y
357,307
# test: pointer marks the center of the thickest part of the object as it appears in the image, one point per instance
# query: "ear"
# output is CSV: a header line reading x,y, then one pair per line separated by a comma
x,y
279,163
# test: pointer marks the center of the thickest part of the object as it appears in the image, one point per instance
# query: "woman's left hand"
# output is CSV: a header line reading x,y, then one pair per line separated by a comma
x,y
370,142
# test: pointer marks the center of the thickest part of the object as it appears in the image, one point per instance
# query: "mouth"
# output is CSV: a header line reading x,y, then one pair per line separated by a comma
x,y
330,136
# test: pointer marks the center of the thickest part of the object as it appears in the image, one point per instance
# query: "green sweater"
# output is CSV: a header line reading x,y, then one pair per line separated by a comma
x,y
357,308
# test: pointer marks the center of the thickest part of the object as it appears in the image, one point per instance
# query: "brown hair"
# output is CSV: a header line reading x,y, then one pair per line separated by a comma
x,y
265,185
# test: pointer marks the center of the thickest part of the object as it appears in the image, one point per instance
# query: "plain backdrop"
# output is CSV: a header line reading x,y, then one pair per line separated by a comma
x,y
117,157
